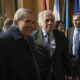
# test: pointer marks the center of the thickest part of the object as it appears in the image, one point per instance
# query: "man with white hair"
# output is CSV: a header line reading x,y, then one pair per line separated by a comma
x,y
17,60
51,47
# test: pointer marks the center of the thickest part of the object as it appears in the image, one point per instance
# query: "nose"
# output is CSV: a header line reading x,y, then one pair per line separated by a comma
x,y
49,22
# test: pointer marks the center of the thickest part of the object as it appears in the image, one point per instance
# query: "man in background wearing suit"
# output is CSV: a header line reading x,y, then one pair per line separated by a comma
x,y
74,45
17,60
51,47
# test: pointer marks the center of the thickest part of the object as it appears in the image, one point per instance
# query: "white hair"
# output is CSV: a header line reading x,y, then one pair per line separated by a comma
x,y
41,14
20,13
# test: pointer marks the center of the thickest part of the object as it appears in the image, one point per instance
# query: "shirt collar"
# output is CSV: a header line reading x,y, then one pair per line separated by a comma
x,y
45,33
77,28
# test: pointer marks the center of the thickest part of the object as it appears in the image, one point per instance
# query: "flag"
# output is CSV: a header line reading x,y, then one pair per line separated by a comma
x,y
65,17
76,6
56,10
44,5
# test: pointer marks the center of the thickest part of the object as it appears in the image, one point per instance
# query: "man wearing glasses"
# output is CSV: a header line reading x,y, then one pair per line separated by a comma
x,y
74,45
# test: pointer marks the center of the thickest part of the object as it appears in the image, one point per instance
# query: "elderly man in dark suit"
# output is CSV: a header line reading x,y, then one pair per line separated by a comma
x,y
17,60
74,45
51,47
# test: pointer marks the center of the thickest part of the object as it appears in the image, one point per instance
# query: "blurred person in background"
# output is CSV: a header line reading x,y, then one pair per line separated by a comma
x,y
7,23
59,25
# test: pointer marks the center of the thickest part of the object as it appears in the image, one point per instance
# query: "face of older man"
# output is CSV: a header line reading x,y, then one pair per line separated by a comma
x,y
48,22
76,21
26,25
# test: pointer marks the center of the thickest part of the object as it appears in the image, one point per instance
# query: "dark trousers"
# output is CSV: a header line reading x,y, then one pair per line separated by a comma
x,y
51,76
75,77
47,76
75,68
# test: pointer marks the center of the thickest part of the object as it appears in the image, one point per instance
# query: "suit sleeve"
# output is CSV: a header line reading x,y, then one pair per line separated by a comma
x,y
66,59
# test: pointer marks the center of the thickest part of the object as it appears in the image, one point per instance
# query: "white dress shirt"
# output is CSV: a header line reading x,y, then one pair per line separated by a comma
x,y
75,41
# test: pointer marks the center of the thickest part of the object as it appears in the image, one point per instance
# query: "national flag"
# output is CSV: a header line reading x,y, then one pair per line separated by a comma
x,y
56,10
76,6
44,5
65,17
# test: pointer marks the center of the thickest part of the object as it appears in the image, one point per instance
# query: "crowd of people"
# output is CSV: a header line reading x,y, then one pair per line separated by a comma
x,y
43,54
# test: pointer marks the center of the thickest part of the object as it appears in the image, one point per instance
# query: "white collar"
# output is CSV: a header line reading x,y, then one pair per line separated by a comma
x,y
45,33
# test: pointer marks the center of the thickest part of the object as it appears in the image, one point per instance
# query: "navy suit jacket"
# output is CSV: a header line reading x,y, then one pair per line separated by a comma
x,y
17,60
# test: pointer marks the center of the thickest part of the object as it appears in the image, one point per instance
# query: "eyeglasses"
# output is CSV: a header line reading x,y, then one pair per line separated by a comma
x,y
77,20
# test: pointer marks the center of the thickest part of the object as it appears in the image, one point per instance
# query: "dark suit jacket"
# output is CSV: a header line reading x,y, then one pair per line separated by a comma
x,y
17,60
60,58
75,62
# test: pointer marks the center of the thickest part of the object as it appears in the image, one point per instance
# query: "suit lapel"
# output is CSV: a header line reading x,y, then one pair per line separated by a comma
x,y
40,44
71,35
39,40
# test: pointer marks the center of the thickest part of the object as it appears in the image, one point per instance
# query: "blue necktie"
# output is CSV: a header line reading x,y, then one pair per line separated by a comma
x,y
48,42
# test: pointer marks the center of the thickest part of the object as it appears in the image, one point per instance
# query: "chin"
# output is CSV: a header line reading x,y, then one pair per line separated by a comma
x,y
49,30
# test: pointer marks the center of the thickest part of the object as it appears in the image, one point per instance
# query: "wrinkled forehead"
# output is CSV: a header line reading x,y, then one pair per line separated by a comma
x,y
27,15
48,15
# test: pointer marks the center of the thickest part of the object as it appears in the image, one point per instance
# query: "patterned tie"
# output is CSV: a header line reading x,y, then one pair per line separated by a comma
x,y
76,42
48,42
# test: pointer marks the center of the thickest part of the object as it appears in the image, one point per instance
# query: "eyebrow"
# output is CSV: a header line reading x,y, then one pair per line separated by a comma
x,y
27,21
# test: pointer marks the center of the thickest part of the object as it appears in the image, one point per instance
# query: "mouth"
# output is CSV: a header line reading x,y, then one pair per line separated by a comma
x,y
49,27
30,29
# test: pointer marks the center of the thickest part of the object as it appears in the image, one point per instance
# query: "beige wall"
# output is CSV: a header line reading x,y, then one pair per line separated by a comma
x,y
34,5
7,8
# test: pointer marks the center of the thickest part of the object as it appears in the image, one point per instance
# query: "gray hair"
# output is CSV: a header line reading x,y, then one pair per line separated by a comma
x,y
41,14
20,13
